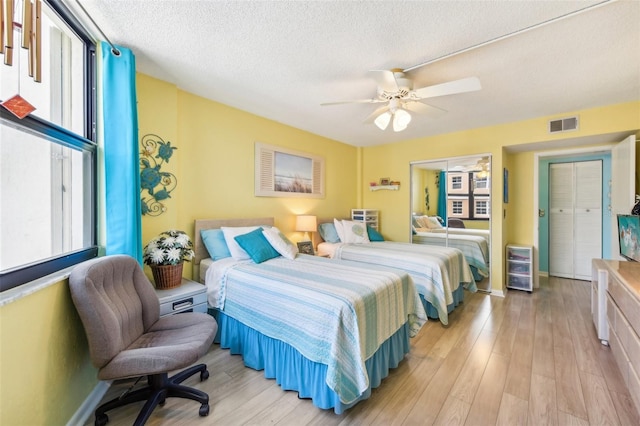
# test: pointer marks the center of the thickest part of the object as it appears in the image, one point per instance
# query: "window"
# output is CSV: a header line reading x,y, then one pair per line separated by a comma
x,y
458,208
482,182
48,159
456,182
481,208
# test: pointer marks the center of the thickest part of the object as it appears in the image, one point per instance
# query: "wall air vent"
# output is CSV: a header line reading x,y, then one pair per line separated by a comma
x,y
563,125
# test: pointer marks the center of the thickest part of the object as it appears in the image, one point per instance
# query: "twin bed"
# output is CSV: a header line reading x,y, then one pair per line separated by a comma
x,y
474,243
475,248
329,329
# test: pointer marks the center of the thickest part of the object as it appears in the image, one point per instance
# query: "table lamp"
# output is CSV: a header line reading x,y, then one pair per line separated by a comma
x,y
306,223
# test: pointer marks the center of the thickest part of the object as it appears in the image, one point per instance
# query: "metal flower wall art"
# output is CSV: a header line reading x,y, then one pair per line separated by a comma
x,y
155,185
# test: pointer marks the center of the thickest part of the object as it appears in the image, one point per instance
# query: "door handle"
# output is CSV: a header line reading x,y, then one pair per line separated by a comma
x,y
541,213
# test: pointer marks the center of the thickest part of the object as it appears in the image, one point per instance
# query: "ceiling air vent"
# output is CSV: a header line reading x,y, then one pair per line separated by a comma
x,y
563,125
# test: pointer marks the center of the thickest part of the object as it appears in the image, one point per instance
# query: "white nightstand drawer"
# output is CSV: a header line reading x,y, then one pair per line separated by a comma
x,y
190,296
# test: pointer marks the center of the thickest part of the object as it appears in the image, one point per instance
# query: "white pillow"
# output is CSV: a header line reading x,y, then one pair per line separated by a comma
x,y
354,232
432,222
236,251
282,244
421,221
339,229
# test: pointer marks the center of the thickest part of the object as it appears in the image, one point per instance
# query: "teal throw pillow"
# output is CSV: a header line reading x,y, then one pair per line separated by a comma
x,y
256,246
374,235
213,240
328,232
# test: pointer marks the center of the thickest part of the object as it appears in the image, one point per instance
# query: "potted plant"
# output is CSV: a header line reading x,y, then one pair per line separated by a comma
x,y
165,255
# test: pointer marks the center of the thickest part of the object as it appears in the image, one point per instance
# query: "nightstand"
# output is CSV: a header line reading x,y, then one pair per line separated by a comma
x,y
189,296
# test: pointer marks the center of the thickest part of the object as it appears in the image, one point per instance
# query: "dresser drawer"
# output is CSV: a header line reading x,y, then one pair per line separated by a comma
x,y
188,297
627,303
634,386
619,355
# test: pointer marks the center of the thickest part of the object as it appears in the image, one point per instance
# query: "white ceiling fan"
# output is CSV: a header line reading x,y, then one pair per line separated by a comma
x,y
396,91
482,168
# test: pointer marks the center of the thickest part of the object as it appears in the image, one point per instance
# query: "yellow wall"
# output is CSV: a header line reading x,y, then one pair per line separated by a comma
x,y
214,162
45,370
392,160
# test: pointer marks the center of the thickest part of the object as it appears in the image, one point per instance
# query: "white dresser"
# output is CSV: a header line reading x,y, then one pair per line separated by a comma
x,y
619,283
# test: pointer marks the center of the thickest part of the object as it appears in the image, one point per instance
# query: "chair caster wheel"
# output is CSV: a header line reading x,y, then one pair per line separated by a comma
x,y
101,420
204,375
204,410
161,403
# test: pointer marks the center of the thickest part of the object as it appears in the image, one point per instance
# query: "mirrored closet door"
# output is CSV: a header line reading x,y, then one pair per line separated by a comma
x,y
451,207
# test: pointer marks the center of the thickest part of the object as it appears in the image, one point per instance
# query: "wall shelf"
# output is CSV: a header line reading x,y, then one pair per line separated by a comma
x,y
387,187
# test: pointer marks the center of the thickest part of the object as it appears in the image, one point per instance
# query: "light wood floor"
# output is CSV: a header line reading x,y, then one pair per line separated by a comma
x,y
527,359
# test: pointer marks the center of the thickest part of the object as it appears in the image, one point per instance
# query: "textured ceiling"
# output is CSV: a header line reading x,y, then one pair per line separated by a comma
x,y
281,60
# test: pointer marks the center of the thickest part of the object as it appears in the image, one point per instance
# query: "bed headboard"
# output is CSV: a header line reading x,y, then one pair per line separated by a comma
x,y
200,224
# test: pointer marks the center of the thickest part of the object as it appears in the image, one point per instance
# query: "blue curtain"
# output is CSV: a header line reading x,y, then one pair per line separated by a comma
x,y
442,196
121,158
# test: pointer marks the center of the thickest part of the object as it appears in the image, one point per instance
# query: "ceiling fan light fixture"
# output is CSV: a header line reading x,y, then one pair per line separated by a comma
x,y
382,121
401,120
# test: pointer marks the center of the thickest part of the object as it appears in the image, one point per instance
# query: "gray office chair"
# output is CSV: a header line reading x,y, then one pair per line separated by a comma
x,y
127,338
455,223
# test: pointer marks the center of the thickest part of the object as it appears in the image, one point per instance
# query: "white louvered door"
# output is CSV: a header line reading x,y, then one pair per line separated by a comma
x,y
587,217
561,220
575,218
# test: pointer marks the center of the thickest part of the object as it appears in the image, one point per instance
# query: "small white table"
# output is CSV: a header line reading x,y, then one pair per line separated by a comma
x,y
189,296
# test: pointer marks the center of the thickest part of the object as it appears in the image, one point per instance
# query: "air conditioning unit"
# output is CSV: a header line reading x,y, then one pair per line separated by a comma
x,y
563,125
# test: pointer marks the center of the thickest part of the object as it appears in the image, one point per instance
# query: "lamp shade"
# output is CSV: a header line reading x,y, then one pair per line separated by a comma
x,y
383,120
401,120
306,223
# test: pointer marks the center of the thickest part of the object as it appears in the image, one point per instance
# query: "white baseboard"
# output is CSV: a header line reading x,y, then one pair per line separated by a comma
x,y
498,293
89,405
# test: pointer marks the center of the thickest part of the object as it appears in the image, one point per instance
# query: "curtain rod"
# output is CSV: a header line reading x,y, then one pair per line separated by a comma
x,y
114,49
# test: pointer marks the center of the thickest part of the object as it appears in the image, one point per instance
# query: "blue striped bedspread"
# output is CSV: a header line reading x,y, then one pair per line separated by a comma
x,y
334,313
474,248
436,271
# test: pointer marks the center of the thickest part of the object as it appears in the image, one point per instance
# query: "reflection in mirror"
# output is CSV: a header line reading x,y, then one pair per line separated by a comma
x,y
451,207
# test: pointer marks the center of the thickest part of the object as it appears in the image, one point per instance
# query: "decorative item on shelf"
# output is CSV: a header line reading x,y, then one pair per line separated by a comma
x,y
306,223
394,182
385,181
165,254
158,185
373,183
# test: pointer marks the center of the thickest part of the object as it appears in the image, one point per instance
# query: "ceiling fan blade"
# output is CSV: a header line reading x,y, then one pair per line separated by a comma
x,y
385,79
356,101
371,117
420,108
470,84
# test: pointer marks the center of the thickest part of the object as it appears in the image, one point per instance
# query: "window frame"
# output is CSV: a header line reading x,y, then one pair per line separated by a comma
x,y
15,277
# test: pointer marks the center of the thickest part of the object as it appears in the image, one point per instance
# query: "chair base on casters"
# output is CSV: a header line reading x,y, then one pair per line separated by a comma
x,y
160,387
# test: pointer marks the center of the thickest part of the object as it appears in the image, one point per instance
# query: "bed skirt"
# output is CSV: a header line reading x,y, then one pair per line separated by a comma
x,y
432,312
292,371
477,276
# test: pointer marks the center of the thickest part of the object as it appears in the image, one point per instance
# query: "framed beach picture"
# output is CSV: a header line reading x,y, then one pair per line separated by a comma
x,y
281,172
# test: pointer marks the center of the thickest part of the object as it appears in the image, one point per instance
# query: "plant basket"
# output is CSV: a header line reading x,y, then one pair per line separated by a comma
x,y
167,276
